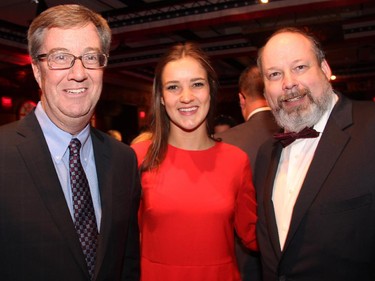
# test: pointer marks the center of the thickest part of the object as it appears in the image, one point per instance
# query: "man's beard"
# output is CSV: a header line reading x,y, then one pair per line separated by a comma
x,y
305,115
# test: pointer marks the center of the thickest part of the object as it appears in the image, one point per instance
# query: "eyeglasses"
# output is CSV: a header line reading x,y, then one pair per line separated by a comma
x,y
65,60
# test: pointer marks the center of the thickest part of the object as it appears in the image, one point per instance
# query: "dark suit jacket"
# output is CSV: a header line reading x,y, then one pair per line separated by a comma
x,y
249,136
332,230
38,240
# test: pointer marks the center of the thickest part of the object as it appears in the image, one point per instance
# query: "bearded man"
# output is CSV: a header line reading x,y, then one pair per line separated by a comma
x,y
315,181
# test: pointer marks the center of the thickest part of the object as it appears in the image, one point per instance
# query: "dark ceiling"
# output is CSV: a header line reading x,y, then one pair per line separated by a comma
x,y
230,31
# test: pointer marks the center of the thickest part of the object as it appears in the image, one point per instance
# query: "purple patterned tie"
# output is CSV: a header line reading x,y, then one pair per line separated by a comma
x,y
84,214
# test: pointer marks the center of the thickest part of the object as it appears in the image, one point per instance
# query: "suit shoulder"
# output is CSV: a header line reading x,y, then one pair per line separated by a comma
x,y
7,129
364,108
14,132
235,134
236,129
363,121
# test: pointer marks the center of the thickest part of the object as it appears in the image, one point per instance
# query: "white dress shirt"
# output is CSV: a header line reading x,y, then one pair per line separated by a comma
x,y
294,163
58,142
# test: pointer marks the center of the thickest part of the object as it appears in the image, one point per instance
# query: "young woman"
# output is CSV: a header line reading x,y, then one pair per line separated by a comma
x,y
196,190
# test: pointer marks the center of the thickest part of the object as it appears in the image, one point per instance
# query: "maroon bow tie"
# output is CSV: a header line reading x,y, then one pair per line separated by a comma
x,y
287,138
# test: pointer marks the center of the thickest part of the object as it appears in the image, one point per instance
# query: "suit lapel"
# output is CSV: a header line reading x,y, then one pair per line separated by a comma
x,y
102,159
331,144
37,157
268,204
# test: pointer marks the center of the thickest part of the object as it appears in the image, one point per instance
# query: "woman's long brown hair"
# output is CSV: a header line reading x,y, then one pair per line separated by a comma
x,y
160,123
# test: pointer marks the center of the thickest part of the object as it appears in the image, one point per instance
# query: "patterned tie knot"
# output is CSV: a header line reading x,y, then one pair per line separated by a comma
x,y
75,146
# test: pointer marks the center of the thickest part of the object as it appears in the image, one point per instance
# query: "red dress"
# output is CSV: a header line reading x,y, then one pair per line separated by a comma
x,y
190,207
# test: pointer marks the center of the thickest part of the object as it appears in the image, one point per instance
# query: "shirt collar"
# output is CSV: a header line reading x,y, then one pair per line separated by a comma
x,y
57,139
264,108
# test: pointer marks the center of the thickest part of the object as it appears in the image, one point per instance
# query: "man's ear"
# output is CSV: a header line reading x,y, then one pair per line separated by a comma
x,y
242,100
326,69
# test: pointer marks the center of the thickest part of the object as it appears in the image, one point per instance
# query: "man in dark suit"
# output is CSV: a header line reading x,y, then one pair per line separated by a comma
x,y
259,122
56,224
259,126
315,194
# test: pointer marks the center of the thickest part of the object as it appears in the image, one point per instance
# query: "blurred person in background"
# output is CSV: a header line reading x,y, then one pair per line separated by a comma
x,y
115,134
259,126
259,123
223,122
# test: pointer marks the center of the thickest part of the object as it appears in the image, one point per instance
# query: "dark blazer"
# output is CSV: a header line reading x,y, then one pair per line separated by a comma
x,y
249,136
37,236
332,230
